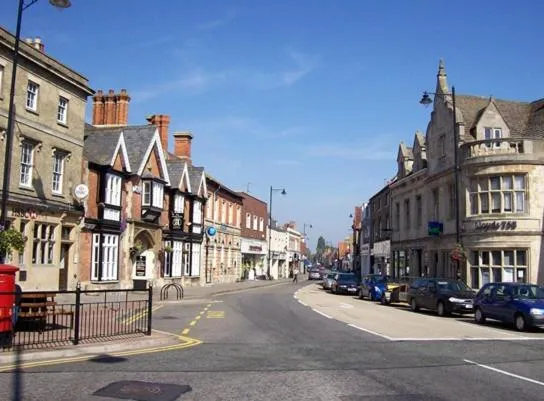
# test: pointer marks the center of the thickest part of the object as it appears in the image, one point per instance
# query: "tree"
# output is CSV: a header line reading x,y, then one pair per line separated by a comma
x,y
320,248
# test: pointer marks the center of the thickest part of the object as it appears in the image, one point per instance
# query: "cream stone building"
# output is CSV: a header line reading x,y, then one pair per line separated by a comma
x,y
50,100
501,196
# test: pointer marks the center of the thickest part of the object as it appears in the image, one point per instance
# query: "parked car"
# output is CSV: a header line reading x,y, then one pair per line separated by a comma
x,y
373,286
345,283
515,303
444,296
314,274
327,281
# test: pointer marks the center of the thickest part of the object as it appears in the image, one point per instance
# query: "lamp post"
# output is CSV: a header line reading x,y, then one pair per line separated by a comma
x,y
11,108
304,239
426,100
283,192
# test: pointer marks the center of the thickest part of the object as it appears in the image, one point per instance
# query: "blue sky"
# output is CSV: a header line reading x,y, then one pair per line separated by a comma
x,y
310,95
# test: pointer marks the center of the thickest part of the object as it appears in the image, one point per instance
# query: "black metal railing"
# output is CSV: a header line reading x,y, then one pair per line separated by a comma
x,y
46,319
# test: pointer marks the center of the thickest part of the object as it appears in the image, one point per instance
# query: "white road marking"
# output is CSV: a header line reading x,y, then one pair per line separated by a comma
x,y
464,339
322,314
504,372
346,306
302,303
370,332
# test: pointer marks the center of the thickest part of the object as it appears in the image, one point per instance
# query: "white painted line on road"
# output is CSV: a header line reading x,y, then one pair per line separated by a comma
x,y
370,332
346,306
302,303
465,339
490,329
504,372
322,314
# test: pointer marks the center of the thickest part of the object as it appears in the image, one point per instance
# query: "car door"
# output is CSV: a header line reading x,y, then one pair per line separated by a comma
x,y
428,294
498,303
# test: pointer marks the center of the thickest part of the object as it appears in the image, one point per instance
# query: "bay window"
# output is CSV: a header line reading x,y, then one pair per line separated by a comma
x,y
112,197
498,265
179,203
197,216
153,194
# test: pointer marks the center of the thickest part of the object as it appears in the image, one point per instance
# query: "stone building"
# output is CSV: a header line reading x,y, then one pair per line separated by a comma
x,y
222,256
501,202
379,206
364,242
279,241
254,239
47,149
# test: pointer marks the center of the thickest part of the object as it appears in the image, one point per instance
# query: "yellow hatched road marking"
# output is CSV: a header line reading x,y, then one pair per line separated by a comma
x,y
192,323
198,317
215,314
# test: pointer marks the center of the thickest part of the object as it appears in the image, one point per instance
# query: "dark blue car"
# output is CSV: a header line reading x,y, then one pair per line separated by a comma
x,y
519,304
373,286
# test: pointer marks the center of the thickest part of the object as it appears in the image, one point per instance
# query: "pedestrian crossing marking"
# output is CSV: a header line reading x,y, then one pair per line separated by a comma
x,y
215,314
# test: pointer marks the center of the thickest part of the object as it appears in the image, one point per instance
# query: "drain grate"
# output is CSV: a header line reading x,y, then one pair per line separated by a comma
x,y
143,391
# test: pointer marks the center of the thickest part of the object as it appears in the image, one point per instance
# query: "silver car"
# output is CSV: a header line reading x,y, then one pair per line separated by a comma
x,y
327,281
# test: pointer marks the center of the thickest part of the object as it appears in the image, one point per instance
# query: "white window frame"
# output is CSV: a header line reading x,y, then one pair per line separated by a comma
x,y
107,246
1,80
27,162
261,224
196,258
179,203
174,260
43,248
158,195
493,264
248,220
146,193
58,173
508,192
255,223
112,194
186,259
62,110
32,93
197,216
491,133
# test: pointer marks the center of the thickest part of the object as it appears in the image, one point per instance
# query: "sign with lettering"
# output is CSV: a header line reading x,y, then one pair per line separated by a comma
x,y
255,248
496,225
140,266
26,213
177,221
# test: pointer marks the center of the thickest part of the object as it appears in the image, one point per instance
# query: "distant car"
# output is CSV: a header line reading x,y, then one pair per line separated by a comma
x,y
345,283
515,303
444,296
373,286
314,274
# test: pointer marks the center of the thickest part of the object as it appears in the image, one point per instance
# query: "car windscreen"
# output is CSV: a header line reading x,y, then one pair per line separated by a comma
x,y
347,278
455,286
528,292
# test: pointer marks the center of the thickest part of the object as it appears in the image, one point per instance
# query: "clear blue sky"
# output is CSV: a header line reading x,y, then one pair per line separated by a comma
x,y
310,95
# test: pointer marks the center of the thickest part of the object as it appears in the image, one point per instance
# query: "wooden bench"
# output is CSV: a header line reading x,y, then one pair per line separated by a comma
x,y
35,308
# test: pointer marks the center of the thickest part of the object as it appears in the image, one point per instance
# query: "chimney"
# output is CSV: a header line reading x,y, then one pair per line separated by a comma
x,y
109,112
161,121
98,108
38,44
182,145
122,100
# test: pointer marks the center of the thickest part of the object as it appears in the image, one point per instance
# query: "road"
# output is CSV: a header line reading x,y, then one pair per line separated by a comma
x,y
265,345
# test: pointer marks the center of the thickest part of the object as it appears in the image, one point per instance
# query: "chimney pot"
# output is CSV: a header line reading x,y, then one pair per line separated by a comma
x,y
98,108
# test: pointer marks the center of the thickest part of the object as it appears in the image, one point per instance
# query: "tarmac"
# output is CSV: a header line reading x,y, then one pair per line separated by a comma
x,y
157,341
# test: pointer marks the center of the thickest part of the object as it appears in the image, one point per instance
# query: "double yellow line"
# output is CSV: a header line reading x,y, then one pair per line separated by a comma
x,y
186,342
138,316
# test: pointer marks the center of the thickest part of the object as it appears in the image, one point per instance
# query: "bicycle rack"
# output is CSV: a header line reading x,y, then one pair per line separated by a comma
x,y
166,288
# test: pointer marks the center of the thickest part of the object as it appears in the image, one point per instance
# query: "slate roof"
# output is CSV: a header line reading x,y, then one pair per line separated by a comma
x,y
100,145
524,119
175,171
420,138
137,139
406,151
195,175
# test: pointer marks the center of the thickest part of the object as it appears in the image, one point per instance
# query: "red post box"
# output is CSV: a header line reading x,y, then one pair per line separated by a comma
x,y
7,301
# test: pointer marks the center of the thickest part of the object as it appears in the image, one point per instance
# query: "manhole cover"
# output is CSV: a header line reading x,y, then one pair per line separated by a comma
x,y
143,391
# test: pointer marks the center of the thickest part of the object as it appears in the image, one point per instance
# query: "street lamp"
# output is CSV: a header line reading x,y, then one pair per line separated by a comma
x,y
11,108
283,192
304,239
427,100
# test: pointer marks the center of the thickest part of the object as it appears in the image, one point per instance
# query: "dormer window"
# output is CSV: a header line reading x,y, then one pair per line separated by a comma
x,y
179,201
153,194
492,133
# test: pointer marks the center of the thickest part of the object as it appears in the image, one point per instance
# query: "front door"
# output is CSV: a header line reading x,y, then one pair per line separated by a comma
x,y
63,271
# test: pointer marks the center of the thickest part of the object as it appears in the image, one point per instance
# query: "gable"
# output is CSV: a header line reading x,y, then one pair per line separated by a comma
x,y
154,161
119,160
118,163
202,188
490,117
185,183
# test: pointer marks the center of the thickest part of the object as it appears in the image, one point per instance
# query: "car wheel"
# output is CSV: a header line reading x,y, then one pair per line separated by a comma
x,y
441,309
383,300
361,295
519,322
479,316
413,305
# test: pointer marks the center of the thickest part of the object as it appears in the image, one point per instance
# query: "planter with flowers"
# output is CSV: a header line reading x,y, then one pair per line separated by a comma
x,y
458,253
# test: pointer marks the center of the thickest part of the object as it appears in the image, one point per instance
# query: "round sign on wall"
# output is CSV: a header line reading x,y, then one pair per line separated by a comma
x,y
211,231
81,191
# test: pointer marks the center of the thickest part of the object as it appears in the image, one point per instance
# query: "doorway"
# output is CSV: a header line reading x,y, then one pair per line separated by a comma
x,y
64,262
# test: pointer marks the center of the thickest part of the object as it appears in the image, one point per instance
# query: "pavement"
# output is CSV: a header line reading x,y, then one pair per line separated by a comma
x,y
263,344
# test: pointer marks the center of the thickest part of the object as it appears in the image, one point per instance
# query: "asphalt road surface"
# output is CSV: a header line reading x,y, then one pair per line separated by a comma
x,y
264,345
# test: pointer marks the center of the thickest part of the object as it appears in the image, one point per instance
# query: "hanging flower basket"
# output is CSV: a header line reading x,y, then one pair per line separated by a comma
x,y
458,253
168,249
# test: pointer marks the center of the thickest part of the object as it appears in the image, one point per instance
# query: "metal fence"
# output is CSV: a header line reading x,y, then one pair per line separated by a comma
x,y
46,319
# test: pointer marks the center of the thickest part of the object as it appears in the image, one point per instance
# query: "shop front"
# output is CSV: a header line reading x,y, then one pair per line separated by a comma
x,y
254,254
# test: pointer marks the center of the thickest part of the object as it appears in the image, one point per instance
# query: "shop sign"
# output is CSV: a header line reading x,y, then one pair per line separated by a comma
x,y
255,248
496,225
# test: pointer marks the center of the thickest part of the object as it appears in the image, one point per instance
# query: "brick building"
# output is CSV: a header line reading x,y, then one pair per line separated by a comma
x,y
47,149
254,239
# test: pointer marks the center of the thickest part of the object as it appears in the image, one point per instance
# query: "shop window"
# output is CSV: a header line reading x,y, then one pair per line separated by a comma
x,y
508,265
44,244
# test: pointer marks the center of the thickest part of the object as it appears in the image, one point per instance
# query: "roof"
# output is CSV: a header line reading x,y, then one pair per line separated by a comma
x,y
245,194
523,118
195,176
137,139
420,139
223,186
99,147
406,151
175,170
